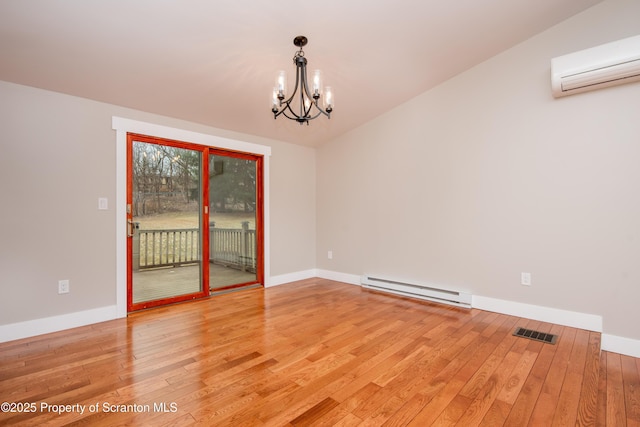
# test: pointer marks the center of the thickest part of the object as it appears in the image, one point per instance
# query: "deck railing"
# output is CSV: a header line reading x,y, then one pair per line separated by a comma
x,y
231,247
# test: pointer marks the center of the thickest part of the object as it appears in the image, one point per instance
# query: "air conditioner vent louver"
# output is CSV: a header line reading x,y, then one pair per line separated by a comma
x,y
413,290
601,66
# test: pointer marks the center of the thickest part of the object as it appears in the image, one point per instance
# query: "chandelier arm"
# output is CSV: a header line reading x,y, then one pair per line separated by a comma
x,y
323,112
277,113
283,111
300,119
317,114
292,114
286,104
295,116
313,100
303,119
295,89
305,86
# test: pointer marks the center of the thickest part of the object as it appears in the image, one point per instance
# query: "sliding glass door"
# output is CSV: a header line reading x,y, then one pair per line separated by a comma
x,y
194,216
234,219
165,222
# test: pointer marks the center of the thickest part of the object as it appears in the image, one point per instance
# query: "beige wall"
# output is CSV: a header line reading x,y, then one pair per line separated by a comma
x,y
58,155
488,176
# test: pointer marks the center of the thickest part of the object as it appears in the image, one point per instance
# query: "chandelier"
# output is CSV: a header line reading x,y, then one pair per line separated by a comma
x,y
309,104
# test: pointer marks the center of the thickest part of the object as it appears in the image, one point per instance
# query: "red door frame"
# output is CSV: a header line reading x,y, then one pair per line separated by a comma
x,y
205,152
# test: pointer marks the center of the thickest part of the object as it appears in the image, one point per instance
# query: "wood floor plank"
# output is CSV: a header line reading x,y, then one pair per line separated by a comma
x,y
514,383
448,384
568,402
315,413
496,415
616,410
631,381
317,352
601,408
547,402
454,410
486,396
485,371
411,406
346,408
369,367
588,401
525,402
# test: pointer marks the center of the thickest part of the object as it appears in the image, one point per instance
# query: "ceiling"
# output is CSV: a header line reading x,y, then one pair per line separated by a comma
x,y
214,61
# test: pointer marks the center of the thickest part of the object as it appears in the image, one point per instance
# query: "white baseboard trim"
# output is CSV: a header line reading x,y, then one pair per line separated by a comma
x,y
351,279
621,345
590,322
611,343
290,277
31,328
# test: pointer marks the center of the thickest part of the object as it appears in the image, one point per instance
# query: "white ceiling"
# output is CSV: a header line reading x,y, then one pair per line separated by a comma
x,y
214,61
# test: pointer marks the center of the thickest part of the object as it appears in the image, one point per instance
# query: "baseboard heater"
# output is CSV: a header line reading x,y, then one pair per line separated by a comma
x,y
430,293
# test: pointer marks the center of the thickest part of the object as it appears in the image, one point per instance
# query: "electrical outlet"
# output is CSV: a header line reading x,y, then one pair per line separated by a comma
x,y
525,279
63,286
330,254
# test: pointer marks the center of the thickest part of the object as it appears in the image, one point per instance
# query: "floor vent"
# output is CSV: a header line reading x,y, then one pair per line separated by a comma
x,y
535,335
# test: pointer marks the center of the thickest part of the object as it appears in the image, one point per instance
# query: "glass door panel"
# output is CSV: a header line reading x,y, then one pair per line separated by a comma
x,y
164,206
233,233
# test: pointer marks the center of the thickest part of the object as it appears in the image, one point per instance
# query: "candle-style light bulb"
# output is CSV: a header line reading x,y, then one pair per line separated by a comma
x,y
317,83
328,99
281,84
275,102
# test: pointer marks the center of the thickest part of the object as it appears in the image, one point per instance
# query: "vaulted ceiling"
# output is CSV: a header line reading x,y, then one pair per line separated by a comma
x,y
214,61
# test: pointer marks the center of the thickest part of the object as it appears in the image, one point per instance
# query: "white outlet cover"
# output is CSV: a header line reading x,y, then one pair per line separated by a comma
x,y
103,203
63,286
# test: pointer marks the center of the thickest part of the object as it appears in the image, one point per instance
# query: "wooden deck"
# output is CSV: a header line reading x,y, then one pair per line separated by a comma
x,y
153,284
316,352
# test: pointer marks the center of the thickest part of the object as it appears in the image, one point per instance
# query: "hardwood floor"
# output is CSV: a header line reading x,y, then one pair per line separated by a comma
x,y
316,352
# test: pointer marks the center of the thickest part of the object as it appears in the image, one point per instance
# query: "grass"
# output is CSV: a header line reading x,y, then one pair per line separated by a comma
x,y
173,220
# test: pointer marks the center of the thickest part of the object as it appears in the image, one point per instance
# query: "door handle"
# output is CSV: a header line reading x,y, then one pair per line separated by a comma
x,y
131,229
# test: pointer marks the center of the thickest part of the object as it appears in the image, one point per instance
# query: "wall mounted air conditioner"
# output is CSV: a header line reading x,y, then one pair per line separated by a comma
x,y
595,68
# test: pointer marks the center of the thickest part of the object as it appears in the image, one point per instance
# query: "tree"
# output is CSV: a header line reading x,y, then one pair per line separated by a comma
x,y
232,183
160,173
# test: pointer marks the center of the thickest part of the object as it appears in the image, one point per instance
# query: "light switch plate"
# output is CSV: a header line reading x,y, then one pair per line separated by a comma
x,y
103,204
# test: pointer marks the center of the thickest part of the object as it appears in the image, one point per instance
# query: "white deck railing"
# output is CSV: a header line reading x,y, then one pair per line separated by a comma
x,y
232,247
